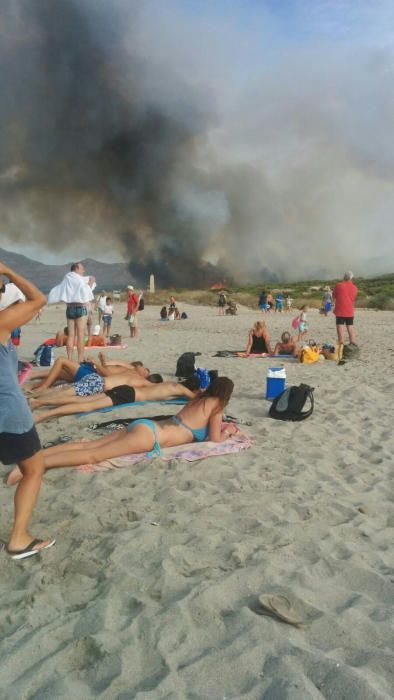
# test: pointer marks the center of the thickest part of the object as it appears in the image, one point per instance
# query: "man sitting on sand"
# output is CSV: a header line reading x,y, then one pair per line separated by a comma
x,y
287,346
116,396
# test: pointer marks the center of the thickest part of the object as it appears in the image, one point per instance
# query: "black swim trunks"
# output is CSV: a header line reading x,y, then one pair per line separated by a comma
x,y
342,320
121,394
16,447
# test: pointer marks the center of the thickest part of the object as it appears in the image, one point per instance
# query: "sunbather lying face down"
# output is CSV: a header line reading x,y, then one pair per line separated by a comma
x,y
68,371
198,420
116,395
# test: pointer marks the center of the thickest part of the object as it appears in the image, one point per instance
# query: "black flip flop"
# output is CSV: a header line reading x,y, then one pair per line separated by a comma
x,y
29,551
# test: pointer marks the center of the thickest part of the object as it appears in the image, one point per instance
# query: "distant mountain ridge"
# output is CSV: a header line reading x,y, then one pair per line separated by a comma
x,y
109,276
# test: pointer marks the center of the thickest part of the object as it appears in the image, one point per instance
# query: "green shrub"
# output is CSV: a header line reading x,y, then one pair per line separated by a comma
x,y
381,301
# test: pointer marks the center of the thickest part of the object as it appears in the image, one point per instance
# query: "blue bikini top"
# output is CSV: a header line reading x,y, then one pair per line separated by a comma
x,y
199,434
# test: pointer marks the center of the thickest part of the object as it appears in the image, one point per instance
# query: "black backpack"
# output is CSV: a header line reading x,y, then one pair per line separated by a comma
x,y
185,364
141,305
289,404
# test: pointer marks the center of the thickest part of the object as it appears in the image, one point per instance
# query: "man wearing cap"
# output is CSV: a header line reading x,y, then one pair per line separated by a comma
x,y
132,310
344,295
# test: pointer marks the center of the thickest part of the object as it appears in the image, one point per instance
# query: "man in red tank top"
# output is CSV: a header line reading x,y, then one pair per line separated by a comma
x,y
344,295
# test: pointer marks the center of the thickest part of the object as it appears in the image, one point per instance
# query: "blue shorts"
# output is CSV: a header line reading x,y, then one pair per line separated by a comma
x,y
83,370
107,320
92,384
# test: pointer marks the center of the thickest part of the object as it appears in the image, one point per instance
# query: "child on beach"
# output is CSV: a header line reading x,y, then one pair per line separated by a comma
x,y
108,313
303,325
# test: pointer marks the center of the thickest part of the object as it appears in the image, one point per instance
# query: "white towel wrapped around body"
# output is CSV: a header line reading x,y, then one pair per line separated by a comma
x,y
74,289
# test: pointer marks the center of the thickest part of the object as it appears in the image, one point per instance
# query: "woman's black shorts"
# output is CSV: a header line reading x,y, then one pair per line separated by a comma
x,y
15,448
121,394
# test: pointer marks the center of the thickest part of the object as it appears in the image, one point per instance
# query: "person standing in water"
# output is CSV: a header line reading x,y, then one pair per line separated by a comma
x,y
19,441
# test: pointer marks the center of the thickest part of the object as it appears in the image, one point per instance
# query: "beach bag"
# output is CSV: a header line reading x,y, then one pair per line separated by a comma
x,y
115,339
310,353
44,356
296,322
185,365
141,305
183,315
290,403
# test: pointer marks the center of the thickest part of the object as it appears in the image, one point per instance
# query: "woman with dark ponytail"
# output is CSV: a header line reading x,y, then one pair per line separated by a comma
x,y
198,420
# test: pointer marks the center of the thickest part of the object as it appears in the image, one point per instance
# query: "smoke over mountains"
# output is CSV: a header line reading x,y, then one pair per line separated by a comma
x,y
133,127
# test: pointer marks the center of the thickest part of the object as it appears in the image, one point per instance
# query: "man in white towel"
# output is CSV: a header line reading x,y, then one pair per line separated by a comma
x,y
76,290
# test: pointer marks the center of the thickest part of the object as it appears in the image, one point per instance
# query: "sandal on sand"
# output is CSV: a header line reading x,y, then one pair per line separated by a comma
x,y
279,607
29,551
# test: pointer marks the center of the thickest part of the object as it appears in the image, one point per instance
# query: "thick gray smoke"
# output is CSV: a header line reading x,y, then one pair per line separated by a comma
x,y
132,127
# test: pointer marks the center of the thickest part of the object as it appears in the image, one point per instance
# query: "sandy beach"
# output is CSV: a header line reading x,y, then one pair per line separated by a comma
x,y
152,590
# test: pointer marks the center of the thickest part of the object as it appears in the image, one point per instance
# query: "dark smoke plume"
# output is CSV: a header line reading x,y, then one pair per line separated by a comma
x,y
128,127
85,154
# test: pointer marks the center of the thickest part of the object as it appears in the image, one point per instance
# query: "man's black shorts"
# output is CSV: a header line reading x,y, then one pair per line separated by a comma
x,y
342,320
121,394
15,447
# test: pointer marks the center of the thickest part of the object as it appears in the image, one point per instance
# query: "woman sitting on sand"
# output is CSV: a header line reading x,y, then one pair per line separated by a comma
x,y
198,420
259,340
117,395
287,346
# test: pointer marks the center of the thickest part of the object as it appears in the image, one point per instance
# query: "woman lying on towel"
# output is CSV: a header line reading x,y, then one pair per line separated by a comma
x,y
69,371
117,395
198,420
258,340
